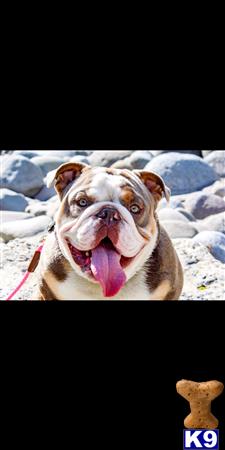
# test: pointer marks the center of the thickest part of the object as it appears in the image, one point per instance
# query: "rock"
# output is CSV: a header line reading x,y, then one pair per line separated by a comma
x,y
123,164
49,208
190,152
203,274
217,188
27,153
206,152
54,199
11,216
216,160
212,223
137,160
20,175
80,159
179,229
175,202
203,205
106,158
23,228
47,163
140,158
183,173
45,194
63,154
186,214
171,214
12,201
214,241
38,208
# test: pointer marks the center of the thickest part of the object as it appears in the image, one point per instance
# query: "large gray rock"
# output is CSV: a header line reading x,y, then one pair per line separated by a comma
x,y
137,160
106,158
45,194
183,173
191,152
212,223
24,228
178,229
12,201
203,205
214,241
12,216
140,158
217,188
216,160
171,214
20,175
47,163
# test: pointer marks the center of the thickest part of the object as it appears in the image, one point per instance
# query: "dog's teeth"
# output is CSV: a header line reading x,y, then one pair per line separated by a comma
x,y
87,253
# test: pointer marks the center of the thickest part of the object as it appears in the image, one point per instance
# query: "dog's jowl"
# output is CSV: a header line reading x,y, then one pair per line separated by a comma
x,y
107,242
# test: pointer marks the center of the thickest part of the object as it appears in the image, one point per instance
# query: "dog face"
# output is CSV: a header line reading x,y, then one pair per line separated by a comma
x,y
106,225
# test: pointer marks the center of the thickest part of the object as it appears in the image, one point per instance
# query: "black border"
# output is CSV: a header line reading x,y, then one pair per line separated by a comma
x,y
123,358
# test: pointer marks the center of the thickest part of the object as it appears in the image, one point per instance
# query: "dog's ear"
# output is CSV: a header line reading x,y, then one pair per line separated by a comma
x,y
64,175
154,184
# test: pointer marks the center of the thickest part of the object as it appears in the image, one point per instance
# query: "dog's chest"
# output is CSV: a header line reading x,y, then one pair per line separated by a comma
x,y
77,288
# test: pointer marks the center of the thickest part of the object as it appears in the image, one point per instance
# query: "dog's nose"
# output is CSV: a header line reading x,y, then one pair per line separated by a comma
x,y
109,215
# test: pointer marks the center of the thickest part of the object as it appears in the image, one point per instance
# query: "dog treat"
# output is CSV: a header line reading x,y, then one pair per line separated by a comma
x,y
200,396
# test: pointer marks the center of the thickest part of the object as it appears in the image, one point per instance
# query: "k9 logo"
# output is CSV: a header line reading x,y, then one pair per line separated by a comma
x,y
201,439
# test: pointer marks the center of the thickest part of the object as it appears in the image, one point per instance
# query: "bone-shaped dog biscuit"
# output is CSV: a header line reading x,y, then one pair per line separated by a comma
x,y
200,396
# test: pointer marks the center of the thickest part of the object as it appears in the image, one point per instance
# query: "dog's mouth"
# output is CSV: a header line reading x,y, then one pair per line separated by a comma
x,y
103,263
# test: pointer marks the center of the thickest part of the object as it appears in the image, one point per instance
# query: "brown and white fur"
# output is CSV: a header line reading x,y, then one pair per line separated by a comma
x,y
154,271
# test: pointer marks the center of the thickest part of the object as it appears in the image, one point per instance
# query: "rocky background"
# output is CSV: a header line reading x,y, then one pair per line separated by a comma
x,y
195,218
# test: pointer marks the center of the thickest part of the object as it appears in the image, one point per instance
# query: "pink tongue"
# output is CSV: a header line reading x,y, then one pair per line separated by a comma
x,y
106,268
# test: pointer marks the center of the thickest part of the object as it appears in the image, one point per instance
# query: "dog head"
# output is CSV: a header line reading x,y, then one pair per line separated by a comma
x,y
106,224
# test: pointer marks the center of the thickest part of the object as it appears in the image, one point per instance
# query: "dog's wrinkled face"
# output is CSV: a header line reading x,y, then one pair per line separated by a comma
x,y
106,223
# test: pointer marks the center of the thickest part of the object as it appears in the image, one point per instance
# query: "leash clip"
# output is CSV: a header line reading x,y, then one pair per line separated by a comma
x,y
51,227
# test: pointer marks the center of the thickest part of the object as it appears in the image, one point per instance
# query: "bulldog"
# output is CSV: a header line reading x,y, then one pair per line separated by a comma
x,y
107,242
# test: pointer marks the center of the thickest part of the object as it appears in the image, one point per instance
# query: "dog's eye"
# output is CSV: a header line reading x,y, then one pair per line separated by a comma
x,y
135,209
82,202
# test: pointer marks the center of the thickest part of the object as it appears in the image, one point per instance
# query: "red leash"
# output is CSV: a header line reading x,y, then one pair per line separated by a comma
x,y
33,264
